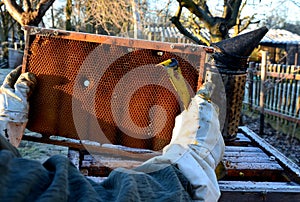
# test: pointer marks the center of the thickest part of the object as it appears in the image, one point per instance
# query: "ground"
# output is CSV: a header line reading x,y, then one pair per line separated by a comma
x,y
286,144
39,151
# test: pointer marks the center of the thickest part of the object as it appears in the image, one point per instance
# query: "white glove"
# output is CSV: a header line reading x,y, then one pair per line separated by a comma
x,y
197,147
14,105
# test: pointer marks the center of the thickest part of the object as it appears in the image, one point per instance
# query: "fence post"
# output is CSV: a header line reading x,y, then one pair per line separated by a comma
x,y
263,73
250,90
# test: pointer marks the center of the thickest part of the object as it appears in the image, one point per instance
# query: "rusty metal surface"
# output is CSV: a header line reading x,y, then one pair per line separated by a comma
x,y
82,93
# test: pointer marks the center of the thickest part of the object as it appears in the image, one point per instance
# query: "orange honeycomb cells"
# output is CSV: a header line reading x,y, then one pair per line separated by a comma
x,y
105,92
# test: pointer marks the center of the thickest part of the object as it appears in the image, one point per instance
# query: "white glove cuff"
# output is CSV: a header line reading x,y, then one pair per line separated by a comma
x,y
12,107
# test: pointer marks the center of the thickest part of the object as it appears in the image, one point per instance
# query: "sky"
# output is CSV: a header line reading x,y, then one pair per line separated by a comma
x,y
286,7
265,7
253,6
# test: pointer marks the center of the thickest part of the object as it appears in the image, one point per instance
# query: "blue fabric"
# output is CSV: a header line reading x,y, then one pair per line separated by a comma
x,y
59,180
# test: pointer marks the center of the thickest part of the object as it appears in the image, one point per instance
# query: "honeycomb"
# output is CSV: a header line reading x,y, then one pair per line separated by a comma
x,y
105,92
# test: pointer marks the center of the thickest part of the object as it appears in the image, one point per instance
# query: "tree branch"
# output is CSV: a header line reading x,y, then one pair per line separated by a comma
x,y
247,21
42,8
178,12
14,10
30,16
202,38
200,13
227,10
234,13
12,24
1,11
27,6
202,4
2,16
182,30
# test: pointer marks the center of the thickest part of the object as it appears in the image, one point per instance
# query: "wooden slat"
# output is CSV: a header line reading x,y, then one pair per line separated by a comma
x,y
242,137
241,140
102,165
257,94
119,41
96,179
249,159
258,191
290,168
242,149
288,85
293,94
254,171
281,75
251,163
255,166
74,157
243,154
267,98
79,145
283,91
111,163
273,92
279,114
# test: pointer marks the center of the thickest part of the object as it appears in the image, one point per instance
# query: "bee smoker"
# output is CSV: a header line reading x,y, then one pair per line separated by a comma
x,y
226,67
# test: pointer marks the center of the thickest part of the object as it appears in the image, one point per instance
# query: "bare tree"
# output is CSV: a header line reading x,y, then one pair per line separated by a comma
x,y
79,14
218,26
136,19
159,14
114,16
30,13
6,23
68,11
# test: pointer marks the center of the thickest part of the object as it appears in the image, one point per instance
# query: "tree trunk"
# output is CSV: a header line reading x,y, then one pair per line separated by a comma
x,y
68,15
218,26
218,31
52,17
28,16
137,20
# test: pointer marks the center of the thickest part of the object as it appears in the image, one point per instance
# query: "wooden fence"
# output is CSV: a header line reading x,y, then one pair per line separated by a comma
x,y
281,91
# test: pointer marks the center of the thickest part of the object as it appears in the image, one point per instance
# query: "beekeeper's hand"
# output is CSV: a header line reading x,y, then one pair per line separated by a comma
x,y
14,105
197,146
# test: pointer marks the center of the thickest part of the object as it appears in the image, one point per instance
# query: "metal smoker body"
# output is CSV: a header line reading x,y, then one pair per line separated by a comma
x,y
227,67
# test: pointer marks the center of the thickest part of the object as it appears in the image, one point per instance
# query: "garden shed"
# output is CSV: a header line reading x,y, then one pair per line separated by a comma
x,y
283,46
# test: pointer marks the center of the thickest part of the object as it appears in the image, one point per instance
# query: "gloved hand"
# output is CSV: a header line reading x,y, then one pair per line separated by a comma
x,y
197,146
14,105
